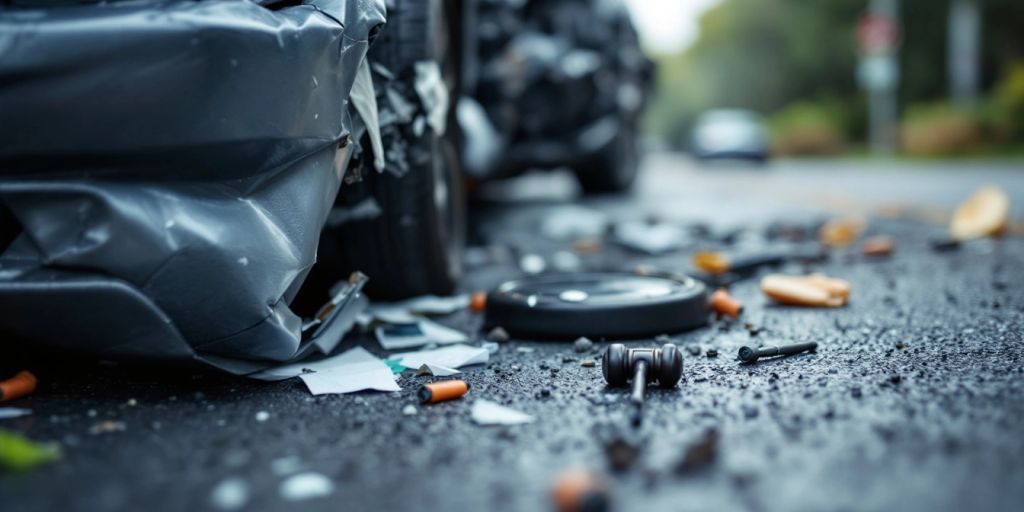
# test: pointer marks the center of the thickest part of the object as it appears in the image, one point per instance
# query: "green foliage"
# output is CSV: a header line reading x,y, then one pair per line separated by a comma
x,y
1006,107
941,129
808,128
18,453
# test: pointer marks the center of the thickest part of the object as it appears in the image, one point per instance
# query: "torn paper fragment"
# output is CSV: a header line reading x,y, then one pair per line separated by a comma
x,y
423,331
395,366
400,312
455,356
13,412
354,370
650,238
436,370
485,412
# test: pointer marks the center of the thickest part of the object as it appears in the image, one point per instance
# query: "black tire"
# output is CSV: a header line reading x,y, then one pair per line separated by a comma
x,y
614,168
414,247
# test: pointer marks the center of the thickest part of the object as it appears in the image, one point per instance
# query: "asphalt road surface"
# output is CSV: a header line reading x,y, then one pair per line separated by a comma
x,y
914,400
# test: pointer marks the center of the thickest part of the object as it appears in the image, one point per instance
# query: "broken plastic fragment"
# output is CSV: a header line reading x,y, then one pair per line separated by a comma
x,y
421,332
840,232
436,370
985,213
713,263
18,453
485,412
21,385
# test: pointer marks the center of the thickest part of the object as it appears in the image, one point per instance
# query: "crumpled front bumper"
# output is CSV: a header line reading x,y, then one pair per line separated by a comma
x,y
166,169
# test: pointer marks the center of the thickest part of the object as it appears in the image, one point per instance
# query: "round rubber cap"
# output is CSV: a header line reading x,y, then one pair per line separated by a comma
x,y
597,305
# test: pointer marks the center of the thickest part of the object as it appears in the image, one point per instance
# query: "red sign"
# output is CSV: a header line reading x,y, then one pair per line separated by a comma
x,y
877,34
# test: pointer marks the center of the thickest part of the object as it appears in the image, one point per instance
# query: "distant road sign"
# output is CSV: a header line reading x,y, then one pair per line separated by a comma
x,y
877,34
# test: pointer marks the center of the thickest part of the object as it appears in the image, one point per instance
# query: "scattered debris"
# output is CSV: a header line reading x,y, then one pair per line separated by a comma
x,y
395,366
714,263
490,346
588,363
262,416
478,302
404,311
724,304
107,427
621,453
21,385
985,213
13,412
532,264
304,486
455,356
587,246
286,465
18,453
565,261
525,350
498,334
878,246
750,355
421,332
573,222
578,490
582,344
485,412
409,410
841,232
435,370
816,290
353,370
230,494
442,391
699,454
944,244
656,238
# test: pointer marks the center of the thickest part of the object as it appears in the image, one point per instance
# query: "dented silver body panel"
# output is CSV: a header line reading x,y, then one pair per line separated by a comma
x,y
166,169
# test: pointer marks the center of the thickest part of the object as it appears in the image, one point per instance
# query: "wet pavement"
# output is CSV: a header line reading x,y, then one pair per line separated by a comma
x,y
913,400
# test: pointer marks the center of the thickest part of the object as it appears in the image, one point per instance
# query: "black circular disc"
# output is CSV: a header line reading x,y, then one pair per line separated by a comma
x,y
598,305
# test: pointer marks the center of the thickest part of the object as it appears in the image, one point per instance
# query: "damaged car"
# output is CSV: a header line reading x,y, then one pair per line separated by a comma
x,y
198,180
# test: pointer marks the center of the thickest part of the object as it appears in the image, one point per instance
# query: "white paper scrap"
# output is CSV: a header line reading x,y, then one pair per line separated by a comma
x,y
436,370
425,305
455,356
648,238
355,370
422,331
486,412
13,412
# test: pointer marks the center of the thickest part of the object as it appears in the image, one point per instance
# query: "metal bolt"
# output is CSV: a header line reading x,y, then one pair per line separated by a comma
x,y
750,355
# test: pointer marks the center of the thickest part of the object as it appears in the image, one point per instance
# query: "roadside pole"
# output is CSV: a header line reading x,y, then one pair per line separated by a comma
x,y
878,38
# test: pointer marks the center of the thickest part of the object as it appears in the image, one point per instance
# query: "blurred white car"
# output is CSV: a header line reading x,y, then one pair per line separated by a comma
x,y
730,134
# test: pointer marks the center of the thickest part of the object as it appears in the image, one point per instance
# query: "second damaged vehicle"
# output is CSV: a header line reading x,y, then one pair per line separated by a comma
x,y
187,180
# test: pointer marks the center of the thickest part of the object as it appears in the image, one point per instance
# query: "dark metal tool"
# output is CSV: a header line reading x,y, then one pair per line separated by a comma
x,y
750,355
663,366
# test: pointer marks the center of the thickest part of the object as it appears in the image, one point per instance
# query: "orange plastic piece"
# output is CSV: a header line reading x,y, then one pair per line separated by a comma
x,y
725,304
577,490
441,391
841,232
22,384
711,262
478,302
878,246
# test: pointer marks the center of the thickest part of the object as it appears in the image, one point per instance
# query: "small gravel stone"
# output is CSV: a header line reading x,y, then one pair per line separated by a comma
x,y
588,364
262,416
409,410
712,353
498,334
582,344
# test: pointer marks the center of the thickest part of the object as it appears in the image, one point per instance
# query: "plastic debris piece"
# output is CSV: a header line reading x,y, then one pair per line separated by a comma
x,y
354,370
841,232
409,410
433,94
578,490
582,344
455,356
400,312
21,385
304,486
724,304
485,412
525,350
714,263
532,264
878,246
18,453
700,454
498,334
478,302
422,332
230,494
435,370
650,238
442,391
985,213
490,346
395,366
13,412
815,290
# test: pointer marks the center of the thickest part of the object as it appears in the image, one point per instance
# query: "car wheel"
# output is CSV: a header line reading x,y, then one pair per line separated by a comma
x,y
414,245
